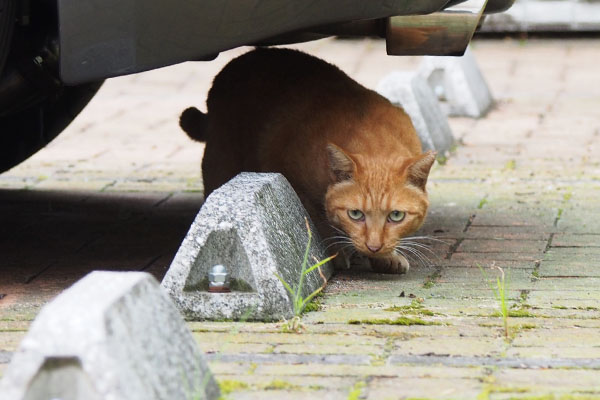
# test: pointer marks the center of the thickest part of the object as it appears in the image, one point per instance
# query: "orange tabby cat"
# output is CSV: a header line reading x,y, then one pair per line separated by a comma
x,y
353,158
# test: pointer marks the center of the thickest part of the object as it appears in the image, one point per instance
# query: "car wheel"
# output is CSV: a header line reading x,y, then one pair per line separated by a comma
x,y
7,17
35,106
29,130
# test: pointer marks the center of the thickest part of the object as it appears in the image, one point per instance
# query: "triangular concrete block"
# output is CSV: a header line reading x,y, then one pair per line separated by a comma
x,y
255,226
458,84
112,335
411,92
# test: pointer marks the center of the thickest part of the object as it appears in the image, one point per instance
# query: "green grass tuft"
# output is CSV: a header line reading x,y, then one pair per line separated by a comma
x,y
299,302
510,165
500,291
356,390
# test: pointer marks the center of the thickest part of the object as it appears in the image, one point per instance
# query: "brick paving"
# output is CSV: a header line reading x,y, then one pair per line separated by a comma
x,y
119,188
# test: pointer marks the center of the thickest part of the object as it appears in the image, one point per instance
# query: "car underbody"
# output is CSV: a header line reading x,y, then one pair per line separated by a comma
x,y
54,54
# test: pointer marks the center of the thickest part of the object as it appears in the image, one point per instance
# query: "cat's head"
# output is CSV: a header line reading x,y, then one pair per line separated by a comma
x,y
376,202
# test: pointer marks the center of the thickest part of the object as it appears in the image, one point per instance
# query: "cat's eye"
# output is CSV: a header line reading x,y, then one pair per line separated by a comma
x,y
396,216
356,215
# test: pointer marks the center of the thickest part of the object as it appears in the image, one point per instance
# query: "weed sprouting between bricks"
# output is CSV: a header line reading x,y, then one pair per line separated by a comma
x,y
299,303
500,290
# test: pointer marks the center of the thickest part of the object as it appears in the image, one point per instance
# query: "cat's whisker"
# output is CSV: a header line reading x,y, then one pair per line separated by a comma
x,y
352,248
425,261
411,255
421,246
345,243
338,229
411,243
424,256
340,246
335,238
429,261
431,238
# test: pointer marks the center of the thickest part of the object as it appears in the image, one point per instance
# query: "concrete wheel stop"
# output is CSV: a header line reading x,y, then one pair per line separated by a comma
x,y
458,84
112,335
411,92
255,227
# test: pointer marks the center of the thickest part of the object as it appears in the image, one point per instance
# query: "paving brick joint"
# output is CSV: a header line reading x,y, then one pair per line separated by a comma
x,y
520,192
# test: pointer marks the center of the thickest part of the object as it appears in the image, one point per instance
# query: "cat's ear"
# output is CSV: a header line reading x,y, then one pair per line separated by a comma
x,y
418,170
341,165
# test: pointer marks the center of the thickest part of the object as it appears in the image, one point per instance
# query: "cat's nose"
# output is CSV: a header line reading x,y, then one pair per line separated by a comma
x,y
374,249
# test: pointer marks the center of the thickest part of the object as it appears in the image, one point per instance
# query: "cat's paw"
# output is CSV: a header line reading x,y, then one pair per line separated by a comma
x,y
360,261
397,264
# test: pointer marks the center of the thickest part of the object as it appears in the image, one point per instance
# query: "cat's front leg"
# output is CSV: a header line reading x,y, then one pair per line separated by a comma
x,y
342,260
395,264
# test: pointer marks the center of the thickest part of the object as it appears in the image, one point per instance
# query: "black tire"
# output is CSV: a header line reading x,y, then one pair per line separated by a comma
x,y
29,129
24,133
7,18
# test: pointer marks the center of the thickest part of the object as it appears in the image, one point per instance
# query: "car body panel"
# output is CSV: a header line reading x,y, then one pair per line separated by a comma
x,y
100,39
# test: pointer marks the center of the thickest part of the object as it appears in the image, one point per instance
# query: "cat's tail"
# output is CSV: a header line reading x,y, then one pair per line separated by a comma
x,y
193,122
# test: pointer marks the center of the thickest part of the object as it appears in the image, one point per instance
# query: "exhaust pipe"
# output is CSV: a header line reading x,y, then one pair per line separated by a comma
x,y
443,33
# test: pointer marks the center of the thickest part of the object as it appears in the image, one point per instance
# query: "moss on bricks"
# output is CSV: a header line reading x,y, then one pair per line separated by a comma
x,y
431,279
314,305
229,385
558,397
252,368
405,321
491,389
279,384
523,327
415,308
516,314
520,314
